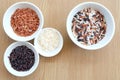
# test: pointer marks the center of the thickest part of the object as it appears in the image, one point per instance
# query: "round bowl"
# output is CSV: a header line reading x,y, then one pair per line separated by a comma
x,y
7,20
52,52
8,64
109,21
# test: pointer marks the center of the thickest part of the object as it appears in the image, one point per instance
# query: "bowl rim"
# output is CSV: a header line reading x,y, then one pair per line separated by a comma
x,y
93,3
51,53
26,38
8,65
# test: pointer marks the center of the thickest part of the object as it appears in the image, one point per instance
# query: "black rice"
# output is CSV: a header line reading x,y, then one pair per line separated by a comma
x,y
22,58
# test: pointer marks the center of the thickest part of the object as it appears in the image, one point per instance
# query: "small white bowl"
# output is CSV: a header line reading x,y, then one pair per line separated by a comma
x,y
8,64
7,18
49,53
109,21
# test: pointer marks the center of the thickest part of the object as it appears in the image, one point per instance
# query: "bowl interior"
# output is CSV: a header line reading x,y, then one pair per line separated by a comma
x,y
7,18
8,64
49,53
109,21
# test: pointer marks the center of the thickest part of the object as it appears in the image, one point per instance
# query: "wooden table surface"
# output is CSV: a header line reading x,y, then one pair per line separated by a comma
x,y
72,63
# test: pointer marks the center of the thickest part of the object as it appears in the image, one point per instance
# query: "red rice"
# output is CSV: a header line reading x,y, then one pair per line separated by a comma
x,y
24,21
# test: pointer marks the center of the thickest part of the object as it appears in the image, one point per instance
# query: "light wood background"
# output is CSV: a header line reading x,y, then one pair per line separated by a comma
x,y
72,63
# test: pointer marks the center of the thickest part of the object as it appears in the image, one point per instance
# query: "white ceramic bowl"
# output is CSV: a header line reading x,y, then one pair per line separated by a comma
x,y
8,64
49,53
109,21
7,18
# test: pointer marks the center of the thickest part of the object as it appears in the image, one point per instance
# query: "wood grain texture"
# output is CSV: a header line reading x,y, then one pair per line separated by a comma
x,y
72,63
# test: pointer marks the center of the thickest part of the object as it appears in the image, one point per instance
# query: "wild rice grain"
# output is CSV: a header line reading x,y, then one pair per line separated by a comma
x,y
88,26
